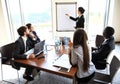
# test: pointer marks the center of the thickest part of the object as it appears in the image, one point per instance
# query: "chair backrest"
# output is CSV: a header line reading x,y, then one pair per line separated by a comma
x,y
114,66
110,56
104,64
99,40
6,52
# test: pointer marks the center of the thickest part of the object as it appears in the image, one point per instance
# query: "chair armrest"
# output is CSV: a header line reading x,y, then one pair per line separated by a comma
x,y
102,62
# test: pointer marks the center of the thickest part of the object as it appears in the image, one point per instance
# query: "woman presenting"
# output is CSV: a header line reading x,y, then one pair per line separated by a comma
x,y
80,19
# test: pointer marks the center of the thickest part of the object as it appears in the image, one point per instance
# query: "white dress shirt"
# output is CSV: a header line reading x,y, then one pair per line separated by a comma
x,y
24,40
77,58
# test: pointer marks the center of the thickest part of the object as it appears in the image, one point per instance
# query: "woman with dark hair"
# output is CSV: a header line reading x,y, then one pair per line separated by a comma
x,y
80,56
80,19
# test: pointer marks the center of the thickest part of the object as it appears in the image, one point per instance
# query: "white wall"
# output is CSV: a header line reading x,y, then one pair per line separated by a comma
x,y
4,29
114,18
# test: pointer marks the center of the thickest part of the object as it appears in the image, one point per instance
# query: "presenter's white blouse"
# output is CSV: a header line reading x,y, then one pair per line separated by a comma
x,y
77,58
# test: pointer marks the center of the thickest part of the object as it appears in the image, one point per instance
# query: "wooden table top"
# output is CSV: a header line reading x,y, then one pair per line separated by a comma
x,y
46,64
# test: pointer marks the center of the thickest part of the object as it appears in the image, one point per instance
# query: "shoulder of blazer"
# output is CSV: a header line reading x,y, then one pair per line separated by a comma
x,y
110,40
20,41
81,18
34,32
108,43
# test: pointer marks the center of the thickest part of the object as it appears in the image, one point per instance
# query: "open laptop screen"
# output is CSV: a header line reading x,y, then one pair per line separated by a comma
x,y
39,47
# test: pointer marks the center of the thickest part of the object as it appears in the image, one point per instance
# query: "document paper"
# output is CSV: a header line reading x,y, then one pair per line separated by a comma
x,y
62,61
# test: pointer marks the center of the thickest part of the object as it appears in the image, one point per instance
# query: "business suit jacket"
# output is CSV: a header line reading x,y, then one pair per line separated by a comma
x,y
37,39
79,21
100,55
19,49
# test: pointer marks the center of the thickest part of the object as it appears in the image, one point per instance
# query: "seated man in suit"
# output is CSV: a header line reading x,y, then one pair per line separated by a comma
x,y
99,55
23,44
32,33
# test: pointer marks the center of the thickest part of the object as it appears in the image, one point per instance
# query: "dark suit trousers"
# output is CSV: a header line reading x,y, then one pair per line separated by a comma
x,y
28,71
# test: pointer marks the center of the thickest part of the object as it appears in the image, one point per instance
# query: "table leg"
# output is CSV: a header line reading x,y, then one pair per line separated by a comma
x,y
26,82
74,80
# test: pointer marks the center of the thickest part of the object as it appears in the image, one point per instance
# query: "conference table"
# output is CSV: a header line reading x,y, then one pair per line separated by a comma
x,y
46,64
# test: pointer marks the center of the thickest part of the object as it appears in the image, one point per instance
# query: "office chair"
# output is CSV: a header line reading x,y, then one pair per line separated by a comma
x,y
6,56
108,61
99,40
104,78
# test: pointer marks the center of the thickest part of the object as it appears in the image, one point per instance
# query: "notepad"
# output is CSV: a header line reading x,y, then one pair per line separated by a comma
x,y
63,62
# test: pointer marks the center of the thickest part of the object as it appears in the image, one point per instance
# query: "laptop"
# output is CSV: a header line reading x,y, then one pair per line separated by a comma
x,y
38,48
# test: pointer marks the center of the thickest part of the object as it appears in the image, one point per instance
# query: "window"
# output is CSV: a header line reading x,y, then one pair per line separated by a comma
x,y
96,13
36,12
14,13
